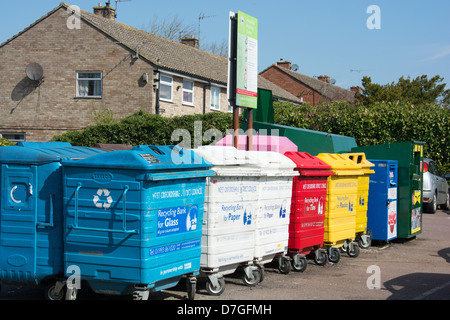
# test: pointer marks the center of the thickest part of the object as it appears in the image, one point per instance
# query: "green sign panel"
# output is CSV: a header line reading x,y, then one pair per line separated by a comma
x,y
247,61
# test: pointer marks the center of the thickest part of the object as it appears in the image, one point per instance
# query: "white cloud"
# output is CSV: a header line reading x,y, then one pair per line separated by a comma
x,y
439,53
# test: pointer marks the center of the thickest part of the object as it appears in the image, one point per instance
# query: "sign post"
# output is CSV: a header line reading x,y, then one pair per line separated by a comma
x,y
243,70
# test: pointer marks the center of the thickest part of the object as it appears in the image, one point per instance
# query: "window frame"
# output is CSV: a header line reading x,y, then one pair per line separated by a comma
x,y
162,82
77,93
188,91
212,107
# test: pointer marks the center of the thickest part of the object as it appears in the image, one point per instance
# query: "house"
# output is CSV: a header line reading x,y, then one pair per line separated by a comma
x,y
308,89
71,63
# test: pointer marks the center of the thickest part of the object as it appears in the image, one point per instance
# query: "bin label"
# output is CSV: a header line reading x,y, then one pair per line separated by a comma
x,y
314,205
416,220
392,219
233,213
176,220
416,197
174,247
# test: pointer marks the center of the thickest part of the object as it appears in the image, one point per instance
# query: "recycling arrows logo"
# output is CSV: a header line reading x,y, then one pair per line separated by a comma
x,y
99,201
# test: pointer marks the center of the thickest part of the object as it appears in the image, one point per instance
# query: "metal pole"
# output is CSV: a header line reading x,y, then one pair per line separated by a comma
x,y
235,126
249,128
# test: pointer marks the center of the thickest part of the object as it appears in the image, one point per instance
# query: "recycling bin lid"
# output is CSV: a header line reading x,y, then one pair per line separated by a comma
x,y
151,158
360,159
112,147
340,164
272,163
35,154
309,165
222,155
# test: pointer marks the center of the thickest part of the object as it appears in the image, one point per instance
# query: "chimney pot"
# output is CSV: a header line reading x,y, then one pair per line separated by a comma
x,y
284,64
106,11
355,89
192,42
324,78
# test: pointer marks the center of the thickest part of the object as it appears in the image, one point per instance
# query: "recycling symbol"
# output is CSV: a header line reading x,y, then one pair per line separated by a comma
x,y
247,217
99,199
283,210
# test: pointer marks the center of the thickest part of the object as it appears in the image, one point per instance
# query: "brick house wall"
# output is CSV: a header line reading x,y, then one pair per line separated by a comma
x,y
176,107
293,86
52,107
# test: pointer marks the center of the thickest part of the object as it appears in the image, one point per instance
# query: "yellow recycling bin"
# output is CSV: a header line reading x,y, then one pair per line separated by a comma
x,y
362,237
340,211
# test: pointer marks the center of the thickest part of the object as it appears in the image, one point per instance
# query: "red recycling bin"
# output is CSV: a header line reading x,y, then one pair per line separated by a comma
x,y
309,196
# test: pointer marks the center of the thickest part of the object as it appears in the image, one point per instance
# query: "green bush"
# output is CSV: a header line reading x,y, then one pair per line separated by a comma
x,y
369,125
143,128
5,142
375,124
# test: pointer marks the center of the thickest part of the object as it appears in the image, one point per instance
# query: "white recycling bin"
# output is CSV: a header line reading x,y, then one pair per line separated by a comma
x,y
275,193
231,207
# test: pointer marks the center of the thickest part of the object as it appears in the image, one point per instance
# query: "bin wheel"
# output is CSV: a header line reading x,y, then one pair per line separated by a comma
x,y
365,241
284,266
301,265
334,255
353,250
257,277
71,294
53,293
191,287
216,291
321,258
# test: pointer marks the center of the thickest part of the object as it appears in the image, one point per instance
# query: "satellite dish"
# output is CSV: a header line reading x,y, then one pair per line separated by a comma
x,y
333,81
34,71
294,67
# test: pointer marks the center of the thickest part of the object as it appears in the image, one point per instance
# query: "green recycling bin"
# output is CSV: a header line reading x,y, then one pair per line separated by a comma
x,y
409,155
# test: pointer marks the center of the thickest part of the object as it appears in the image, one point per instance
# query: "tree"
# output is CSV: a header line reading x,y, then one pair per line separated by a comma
x,y
171,28
417,91
174,28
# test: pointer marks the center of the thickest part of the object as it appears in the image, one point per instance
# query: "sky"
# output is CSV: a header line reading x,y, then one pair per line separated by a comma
x,y
344,39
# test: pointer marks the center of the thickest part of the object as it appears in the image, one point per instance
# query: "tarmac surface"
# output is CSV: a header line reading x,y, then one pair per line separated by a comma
x,y
414,269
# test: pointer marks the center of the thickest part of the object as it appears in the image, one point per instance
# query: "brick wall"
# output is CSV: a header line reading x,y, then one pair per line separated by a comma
x,y
52,108
177,107
293,86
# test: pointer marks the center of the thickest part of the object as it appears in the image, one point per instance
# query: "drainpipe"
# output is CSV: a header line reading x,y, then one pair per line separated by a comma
x,y
156,88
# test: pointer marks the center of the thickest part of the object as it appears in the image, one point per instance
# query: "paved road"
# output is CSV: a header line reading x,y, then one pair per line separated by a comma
x,y
417,269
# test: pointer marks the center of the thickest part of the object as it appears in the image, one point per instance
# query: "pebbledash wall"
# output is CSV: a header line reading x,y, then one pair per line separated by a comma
x,y
39,111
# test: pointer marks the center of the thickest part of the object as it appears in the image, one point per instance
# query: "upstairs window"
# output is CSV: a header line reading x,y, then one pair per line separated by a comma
x,y
165,88
89,84
215,98
188,92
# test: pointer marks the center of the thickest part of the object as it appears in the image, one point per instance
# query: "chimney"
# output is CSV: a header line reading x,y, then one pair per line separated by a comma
x,y
355,89
324,78
191,42
284,64
106,12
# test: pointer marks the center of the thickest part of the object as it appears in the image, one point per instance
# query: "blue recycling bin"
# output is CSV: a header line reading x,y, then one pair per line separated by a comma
x,y
31,212
382,206
134,219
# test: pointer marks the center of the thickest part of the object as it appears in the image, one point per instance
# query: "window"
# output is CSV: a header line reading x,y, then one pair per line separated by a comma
x,y
14,137
188,92
89,84
215,98
165,87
